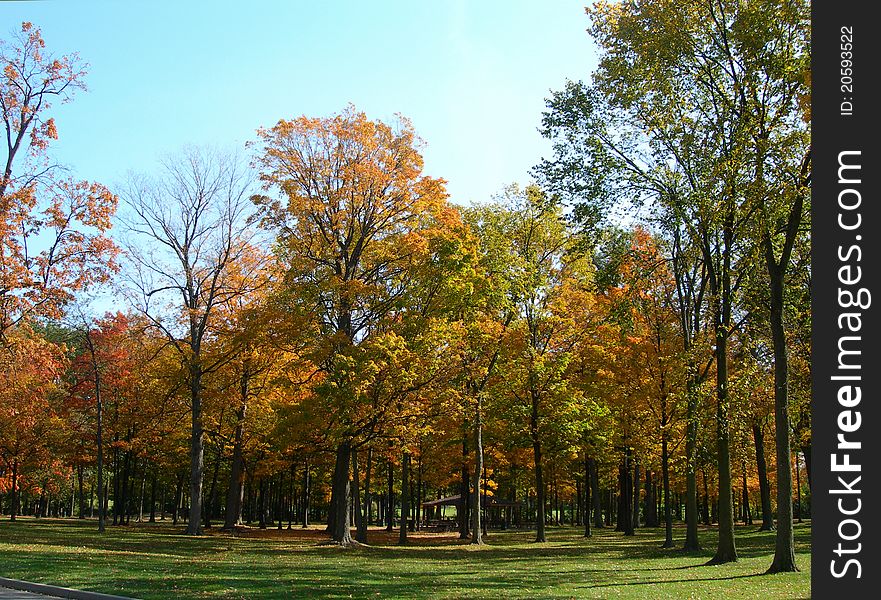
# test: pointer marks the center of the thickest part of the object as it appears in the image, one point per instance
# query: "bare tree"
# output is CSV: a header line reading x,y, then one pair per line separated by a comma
x,y
188,252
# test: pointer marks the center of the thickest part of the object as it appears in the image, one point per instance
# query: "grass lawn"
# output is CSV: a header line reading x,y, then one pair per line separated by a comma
x,y
157,561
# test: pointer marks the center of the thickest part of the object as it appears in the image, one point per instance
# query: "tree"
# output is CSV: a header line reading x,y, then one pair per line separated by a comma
x,y
691,285
483,313
104,362
701,190
30,370
52,230
665,124
351,226
773,78
657,348
548,287
748,79
269,336
194,220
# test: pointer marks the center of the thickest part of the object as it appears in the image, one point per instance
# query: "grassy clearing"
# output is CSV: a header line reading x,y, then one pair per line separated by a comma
x,y
157,561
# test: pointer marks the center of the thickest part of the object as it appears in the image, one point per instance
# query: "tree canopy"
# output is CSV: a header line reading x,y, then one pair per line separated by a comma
x,y
313,330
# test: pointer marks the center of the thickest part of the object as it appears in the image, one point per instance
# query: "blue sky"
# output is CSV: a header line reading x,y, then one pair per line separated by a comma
x,y
472,76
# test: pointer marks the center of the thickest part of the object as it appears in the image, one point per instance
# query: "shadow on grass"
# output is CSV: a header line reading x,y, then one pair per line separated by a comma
x,y
728,578
158,561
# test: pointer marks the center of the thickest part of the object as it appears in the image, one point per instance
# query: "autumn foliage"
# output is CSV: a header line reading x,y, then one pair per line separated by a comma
x,y
317,331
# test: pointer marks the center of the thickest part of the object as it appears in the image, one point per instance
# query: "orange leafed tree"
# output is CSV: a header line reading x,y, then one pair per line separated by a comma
x,y
52,230
102,375
352,229
29,370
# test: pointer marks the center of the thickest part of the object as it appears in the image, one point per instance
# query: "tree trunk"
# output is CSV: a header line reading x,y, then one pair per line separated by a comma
x,y
726,550
340,530
360,519
13,509
368,504
587,496
390,499
665,473
650,514
635,494
764,486
178,490
106,502
249,498
627,494
806,452
143,489
707,520
116,477
556,515
197,450
419,491
212,493
41,504
485,517
747,513
293,497
784,546
595,492
692,543
464,489
476,529
619,506
131,492
279,504
307,493
798,487
153,496
261,503
99,422
405,497
124,501
79,481
233,514
610,502
162,503
539,478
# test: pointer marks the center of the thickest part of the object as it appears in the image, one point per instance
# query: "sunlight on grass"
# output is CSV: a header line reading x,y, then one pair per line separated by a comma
x,y
156,561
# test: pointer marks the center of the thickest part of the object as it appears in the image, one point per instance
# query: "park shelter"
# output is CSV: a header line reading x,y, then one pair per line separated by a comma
x,y
498,513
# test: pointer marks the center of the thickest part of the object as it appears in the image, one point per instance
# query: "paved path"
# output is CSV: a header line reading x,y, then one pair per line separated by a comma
x,y
15,589
9,594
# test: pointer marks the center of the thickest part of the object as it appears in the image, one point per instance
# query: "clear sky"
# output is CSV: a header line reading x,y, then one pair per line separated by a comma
x,y
472,76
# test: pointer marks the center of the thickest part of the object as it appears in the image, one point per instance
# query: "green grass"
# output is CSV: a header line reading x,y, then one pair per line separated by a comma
x,y
157,561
